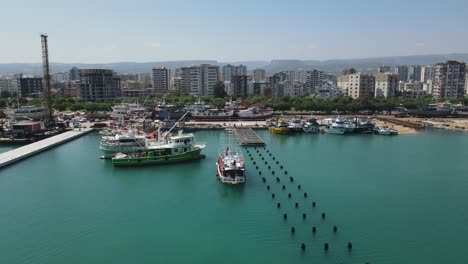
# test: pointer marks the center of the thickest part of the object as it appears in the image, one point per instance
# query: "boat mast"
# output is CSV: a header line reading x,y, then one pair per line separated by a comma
x,y
176,123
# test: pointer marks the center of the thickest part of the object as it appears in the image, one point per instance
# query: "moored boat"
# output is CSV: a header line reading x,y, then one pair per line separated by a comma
x,y
385,131
170,149
255,113
311,126
123,141
27,113
295,126
230,164
279,127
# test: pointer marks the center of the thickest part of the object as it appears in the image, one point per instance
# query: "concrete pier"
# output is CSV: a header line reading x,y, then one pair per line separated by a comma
x,y
20,153
248,137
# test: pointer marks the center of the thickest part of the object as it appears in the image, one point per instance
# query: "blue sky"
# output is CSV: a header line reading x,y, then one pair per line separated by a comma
x,y
152,30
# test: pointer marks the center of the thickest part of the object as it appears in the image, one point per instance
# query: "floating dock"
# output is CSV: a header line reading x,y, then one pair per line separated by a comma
x,y
20,153
248,137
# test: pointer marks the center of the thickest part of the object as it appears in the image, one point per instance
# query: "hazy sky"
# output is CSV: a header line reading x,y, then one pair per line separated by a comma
x,y
95,31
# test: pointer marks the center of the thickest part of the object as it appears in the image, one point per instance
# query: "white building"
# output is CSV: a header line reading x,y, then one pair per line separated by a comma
x,y
449,80
232,70
427,73
9,84
386,85
199,80
357,85
60,77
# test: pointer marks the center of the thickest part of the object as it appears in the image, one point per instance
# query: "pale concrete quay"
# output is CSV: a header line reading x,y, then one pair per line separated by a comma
x,y
20,153
248,137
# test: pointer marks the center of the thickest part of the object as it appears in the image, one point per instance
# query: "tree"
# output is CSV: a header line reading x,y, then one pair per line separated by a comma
x,y
218,90
5,94
267,91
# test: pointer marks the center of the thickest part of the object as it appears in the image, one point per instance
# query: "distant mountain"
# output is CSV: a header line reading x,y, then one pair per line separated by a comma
x,y
364,65
331,66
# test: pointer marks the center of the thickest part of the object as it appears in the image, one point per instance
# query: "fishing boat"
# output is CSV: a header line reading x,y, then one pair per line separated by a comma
x,y
211,113
230,164
164,111
166,149
384,130
255,113
336,127
295,126
279,127
126,110
27,113
171,149
311,126
363,126
123,141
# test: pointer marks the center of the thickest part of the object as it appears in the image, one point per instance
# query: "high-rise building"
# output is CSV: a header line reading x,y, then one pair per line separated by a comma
x,y
239,86
402,72
259,76
383,69
29,87
313,81
74,74
357,85
161,80
199,80
466,81
449,80
99,84
231,70
259,87
386,85
9,84
427,73
414,73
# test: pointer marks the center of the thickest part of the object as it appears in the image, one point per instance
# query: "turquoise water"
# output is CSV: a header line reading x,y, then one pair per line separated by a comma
x,y
397,199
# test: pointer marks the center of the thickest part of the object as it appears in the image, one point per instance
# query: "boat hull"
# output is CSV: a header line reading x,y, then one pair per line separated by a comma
x,y
336,131
279,130
159,160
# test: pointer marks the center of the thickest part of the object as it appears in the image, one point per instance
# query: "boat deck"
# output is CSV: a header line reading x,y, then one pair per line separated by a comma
x,y
20,153
248,137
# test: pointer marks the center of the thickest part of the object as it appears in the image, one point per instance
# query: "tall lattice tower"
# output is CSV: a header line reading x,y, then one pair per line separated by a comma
x,y
45,69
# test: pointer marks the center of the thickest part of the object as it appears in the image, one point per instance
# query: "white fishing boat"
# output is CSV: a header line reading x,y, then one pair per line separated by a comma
x,y
211,113
295,126
311,126
27,113
123,141
255,112
230,164
125,110
384,130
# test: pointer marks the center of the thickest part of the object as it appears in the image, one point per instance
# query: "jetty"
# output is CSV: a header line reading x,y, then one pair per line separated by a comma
x,y
248,137
23,152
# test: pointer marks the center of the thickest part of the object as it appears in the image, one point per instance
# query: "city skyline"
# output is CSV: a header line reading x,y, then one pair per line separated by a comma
x,y
147,31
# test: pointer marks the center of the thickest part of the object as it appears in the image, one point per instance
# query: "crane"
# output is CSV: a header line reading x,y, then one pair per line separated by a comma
x,y
47,88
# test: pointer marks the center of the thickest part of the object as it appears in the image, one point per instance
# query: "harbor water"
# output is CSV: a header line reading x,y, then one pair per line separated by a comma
x,y
398,199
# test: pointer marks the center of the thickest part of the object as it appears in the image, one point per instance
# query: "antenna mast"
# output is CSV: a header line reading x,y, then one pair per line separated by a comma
x,y
45,69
